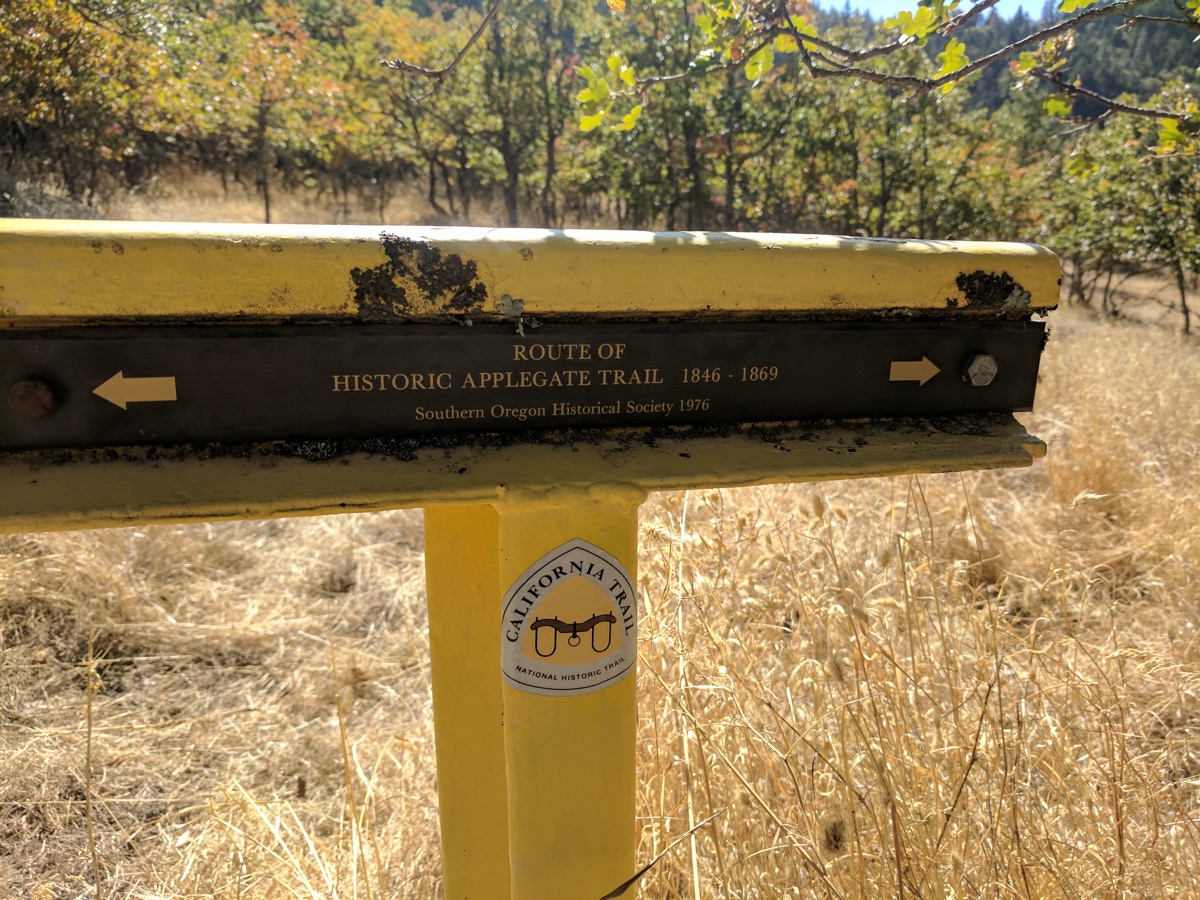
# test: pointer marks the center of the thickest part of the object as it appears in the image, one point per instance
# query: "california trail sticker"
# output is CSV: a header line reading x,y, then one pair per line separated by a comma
x,y
570,623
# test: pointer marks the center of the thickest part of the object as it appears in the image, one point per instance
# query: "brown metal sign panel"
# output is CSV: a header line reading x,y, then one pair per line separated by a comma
x,y
103,386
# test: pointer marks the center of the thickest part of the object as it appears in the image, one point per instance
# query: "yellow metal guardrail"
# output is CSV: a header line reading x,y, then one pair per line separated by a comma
x,y
92,280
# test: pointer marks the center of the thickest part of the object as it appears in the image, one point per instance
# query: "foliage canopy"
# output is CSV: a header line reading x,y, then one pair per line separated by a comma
x,y
731,114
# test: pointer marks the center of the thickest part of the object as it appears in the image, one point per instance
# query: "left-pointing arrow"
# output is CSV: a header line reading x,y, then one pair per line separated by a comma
x,y
121,391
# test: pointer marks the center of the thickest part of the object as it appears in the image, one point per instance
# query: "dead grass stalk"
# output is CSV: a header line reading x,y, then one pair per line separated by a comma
x,y
981,685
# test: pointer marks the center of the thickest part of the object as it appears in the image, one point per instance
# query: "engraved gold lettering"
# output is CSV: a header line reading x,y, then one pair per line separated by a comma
x,y
657,406
393,381
610,351
450,412
612,376
628,377
520,413
537,378
694,376
592,409
551,352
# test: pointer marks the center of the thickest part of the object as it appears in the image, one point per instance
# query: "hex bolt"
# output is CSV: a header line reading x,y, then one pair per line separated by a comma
x,y
32,399
980,369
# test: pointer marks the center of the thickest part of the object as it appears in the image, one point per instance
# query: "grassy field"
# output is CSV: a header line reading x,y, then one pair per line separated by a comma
x,y
978,685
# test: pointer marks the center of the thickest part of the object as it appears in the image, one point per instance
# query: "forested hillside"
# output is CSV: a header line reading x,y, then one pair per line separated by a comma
x,y
101,96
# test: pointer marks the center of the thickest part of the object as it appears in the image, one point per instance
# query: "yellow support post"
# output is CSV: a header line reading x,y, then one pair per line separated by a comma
x,y
569,558
463,585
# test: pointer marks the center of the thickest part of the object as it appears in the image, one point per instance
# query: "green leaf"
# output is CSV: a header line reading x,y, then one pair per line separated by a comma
x,y
589,123
1170,136
1069,6
953,58
1027,62
1081,163
760,63
585,96
1058,105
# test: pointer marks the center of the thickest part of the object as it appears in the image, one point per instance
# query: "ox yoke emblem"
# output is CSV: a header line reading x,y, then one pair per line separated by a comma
x,y
569,623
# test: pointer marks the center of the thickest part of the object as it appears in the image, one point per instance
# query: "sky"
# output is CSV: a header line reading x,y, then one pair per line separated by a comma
x,y
883,8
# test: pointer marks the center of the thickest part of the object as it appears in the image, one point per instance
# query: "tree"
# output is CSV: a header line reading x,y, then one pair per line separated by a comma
x,y
754,33
88,98
262,87
1116,205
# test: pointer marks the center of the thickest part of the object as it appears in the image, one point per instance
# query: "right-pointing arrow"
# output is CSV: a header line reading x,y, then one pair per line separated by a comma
x,y
920,371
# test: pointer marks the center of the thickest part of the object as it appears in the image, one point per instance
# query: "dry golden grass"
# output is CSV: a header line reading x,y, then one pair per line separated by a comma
x,y
202,197
979,685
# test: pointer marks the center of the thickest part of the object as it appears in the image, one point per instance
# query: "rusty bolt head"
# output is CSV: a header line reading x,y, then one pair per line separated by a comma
x,y
981,369
32,399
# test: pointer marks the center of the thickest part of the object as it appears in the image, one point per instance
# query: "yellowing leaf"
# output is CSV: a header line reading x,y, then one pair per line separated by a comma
x,y
630,119
615,6
803,26
917,26
588,123
760,63
620,68
785,43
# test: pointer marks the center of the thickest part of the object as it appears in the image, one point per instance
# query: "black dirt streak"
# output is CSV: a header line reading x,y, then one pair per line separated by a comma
x,y
406,449
445,283
992,291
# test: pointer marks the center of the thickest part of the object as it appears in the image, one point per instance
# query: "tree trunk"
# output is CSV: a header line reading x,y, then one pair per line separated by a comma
x,y
696,217
432,193
730,183
549,198
1181,282
730,163
512,185
264,162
